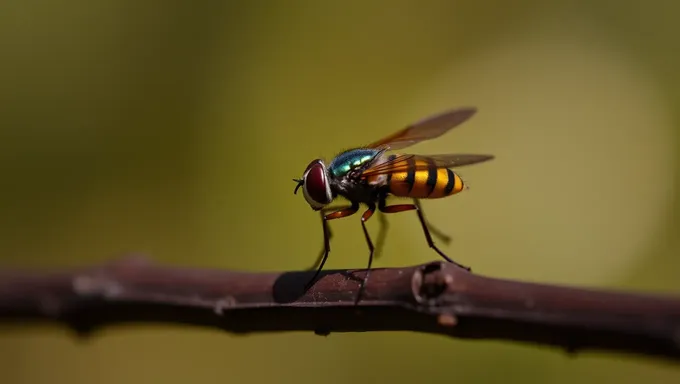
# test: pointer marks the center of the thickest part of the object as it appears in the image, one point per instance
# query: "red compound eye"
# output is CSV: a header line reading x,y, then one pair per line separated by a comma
x,y
316,189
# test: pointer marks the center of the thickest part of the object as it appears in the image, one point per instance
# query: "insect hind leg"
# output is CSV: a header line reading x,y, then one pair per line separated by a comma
x,y
396,208
434,230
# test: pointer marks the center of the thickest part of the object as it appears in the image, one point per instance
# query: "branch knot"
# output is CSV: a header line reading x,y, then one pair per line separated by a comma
x,y
429,283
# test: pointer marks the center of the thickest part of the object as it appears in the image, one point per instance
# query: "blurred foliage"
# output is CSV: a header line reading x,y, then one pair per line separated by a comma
x,y
174,129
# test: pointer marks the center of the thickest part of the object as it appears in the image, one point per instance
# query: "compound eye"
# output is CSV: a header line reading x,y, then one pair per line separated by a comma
x,y
316,188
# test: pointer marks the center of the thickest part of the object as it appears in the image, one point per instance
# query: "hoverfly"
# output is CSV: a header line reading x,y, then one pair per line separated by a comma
x,y
368,175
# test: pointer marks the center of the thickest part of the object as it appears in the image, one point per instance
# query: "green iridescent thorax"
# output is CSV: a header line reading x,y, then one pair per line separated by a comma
x,y
351,159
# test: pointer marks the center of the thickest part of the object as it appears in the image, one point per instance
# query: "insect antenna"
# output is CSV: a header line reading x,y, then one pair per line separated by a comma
x,y
299,184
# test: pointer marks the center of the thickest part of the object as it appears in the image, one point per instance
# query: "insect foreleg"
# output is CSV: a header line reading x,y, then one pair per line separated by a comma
x,y
348,211
364,218
328,231
409,207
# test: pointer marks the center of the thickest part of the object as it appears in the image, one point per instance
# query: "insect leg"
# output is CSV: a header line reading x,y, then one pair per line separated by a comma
x,y
382,234
435,231
328,230
367,215
326,236
409,207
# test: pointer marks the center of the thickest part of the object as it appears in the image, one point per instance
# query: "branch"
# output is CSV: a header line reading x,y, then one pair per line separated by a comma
x,y
436,298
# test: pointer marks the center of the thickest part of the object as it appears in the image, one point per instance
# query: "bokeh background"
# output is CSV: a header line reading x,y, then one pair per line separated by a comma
x,y
174,128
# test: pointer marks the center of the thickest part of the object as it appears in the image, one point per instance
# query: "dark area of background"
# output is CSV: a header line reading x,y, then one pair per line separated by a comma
x,y
174,129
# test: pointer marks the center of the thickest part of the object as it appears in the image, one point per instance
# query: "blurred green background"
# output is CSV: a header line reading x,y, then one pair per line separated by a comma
x,y
174,129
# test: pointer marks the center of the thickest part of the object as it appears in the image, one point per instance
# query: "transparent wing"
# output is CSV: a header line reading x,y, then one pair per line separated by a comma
x,y
403,163
429,128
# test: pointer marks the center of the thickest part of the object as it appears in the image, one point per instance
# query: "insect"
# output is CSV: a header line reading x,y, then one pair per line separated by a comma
x,y
368,175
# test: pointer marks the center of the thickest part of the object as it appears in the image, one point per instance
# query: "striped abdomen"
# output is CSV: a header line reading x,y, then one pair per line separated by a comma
x,y
425,183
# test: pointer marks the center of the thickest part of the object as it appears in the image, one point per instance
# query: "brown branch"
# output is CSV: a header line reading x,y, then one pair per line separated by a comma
x,y
436,298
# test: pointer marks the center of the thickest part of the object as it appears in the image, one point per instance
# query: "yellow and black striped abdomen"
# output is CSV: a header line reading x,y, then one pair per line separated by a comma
x,y
424,183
